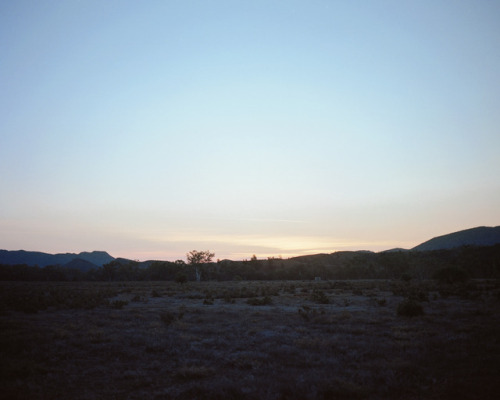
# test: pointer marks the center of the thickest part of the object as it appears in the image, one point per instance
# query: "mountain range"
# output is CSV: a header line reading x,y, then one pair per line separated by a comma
x,y
82,261
480,236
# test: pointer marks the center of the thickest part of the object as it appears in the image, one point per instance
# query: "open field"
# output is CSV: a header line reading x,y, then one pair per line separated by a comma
x,y
250,340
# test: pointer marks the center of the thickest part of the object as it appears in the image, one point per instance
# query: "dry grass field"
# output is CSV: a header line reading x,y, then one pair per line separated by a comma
x,y
374,339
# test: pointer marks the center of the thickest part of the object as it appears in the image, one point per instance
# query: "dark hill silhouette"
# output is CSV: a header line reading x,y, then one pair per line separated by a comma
x,y
98,258
480,236
395,250
338,257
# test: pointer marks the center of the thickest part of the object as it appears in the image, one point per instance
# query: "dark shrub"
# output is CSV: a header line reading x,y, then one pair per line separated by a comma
x,y
451,275
410,308
418,293
181,277
118,304
168,317
260,302
382,302
228,299
318,296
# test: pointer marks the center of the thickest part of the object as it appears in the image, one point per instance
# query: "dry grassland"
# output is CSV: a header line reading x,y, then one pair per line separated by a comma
x,y
250,340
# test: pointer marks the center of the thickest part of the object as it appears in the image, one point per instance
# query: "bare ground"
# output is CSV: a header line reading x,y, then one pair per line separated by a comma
x,y
249,340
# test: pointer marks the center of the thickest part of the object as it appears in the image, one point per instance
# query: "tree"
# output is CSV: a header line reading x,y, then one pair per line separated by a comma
x,y
197,258
109,270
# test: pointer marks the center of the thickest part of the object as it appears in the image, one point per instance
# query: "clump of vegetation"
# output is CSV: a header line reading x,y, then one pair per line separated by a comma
x,y
154,293
451,275
269,291
314,315
304,312
246,292
228,298
168,317
260,302
290,289
181,278
96,336
382,302
318,296
416,292
118,304
410,308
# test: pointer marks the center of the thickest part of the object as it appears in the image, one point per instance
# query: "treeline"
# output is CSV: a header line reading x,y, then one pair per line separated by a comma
x,y
473,262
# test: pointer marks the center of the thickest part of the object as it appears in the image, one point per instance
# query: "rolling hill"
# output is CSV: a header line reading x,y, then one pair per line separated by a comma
x,y
480,236
96,258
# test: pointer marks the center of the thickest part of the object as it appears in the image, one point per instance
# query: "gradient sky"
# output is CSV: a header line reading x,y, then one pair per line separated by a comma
x,y
151,128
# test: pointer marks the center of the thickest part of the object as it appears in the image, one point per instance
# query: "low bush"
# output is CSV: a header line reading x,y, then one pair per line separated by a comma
x,y
410,308
318,296
181,278
228,299
416,292
451,275
168,317
382,302
260,302
118,304
304,312
208,301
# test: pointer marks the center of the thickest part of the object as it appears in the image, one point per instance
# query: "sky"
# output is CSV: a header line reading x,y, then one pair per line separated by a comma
x,y
276,128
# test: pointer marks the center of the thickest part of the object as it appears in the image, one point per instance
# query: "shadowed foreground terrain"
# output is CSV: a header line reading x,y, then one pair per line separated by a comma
x,y
364,339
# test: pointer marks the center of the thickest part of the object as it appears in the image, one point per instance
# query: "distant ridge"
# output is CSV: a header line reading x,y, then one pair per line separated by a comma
x,y
395,250
97,258
480,236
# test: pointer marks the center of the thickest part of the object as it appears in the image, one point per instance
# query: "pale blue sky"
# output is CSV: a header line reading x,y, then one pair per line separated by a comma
x,y
152,128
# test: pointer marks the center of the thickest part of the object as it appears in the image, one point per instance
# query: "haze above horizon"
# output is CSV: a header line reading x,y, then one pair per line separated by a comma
x,y
148,129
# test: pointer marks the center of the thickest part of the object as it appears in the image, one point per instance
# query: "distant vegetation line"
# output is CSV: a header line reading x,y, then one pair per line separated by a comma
x,y
469,261
472,252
